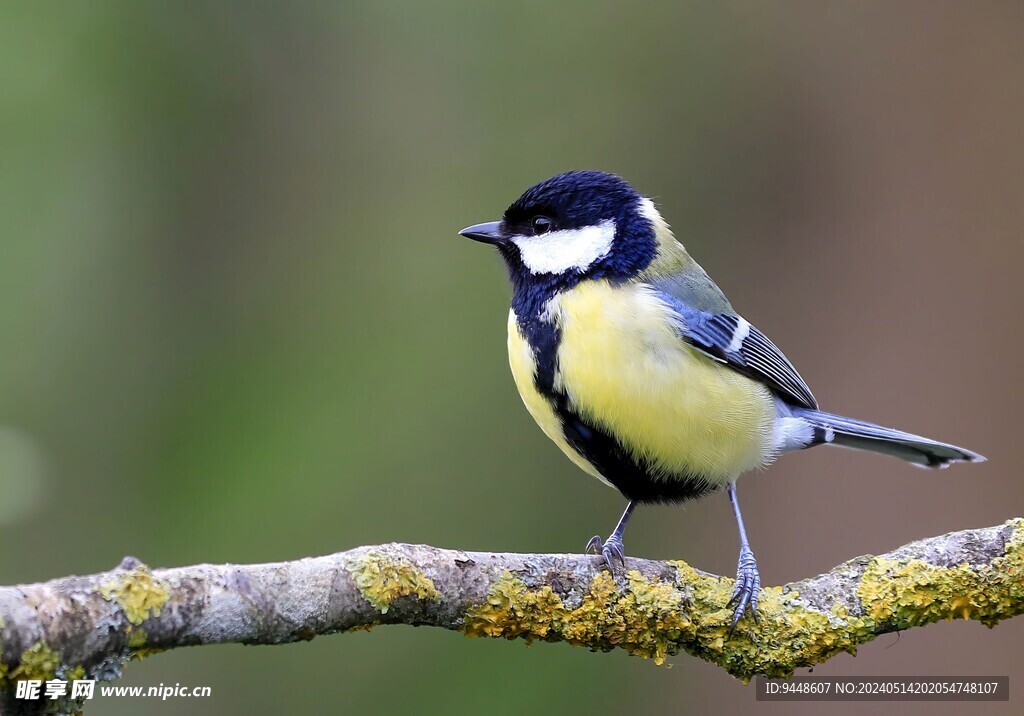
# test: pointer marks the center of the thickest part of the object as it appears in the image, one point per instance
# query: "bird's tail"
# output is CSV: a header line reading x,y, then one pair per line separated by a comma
x,y
860,435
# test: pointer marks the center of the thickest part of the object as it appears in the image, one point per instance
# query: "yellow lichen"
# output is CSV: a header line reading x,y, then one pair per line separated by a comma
x,y
141,653
39,661
139,594
137,637
788,634
654,619
646,620
382,578
76,673
908,593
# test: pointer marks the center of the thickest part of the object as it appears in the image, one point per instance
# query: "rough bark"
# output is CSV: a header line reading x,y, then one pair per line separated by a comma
x,y
89,627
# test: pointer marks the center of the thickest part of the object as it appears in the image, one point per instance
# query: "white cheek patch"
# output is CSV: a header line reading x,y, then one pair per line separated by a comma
x,y
559,251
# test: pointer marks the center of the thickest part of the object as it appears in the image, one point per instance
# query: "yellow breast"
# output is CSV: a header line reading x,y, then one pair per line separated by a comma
x,y
524,368
626,370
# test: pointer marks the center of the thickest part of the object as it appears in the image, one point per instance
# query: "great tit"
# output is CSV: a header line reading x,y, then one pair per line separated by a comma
x,y
634,363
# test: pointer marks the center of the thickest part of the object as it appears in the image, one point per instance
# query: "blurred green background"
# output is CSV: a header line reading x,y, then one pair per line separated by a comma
x,y
238,324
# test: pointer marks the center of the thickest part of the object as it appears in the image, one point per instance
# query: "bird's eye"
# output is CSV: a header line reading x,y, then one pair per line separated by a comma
x,y
541,225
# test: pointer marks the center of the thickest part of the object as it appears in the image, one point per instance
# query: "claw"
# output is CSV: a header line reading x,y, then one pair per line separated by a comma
x,y
748,587
610,550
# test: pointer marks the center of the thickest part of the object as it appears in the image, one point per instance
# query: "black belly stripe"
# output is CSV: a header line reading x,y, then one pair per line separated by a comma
x,y
635,479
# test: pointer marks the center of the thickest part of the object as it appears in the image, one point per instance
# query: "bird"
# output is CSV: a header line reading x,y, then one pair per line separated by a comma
x,y
633,362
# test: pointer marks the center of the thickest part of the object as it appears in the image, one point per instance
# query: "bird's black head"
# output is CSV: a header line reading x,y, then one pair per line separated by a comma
x,y
573,200
574,226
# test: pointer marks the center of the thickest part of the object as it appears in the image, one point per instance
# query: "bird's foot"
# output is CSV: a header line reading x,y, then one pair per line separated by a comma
x,y
747,590
611,550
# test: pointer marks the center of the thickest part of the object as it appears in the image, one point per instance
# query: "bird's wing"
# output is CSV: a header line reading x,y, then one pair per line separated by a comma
x,y
734,341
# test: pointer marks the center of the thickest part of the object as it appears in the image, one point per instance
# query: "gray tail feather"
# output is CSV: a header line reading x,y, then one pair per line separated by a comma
x,y
848,432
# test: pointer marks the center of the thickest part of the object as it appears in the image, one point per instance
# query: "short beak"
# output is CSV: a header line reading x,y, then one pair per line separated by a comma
x,y
488,233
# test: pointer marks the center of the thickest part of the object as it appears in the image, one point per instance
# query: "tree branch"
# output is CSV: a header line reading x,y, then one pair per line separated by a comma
x,y
89,627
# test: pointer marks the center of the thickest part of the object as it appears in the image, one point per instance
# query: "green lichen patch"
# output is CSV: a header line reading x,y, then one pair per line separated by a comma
x,y
382,578
137,637
39,661
894,595
655,619
646,619
139,594
142,652
906,593
788,635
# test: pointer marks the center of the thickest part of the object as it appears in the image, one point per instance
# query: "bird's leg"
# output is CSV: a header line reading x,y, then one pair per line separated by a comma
x,y
748,580
612,549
